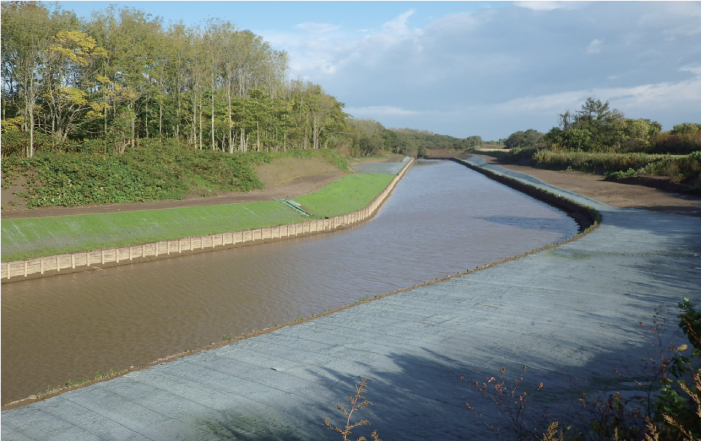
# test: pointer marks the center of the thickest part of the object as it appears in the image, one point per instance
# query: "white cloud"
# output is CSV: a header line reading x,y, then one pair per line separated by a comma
x,y
542,6
379,111
595,46
693,69
317,28
549,5
492,72
398,27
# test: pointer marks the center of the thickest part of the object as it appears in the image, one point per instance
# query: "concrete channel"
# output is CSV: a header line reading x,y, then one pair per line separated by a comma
x,y
569,311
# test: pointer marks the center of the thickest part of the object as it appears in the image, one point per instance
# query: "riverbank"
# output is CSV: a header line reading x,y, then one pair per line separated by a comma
x,y
109,238
616,194
571,310
27,235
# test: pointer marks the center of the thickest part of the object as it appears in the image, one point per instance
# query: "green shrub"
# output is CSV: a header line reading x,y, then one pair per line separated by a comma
x,y
155,170
679,143
519,154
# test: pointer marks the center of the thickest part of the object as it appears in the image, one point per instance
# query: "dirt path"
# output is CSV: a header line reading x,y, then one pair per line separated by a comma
x,y
611,193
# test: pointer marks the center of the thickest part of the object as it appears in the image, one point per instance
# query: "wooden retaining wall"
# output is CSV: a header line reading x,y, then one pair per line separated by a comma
x,y
84,261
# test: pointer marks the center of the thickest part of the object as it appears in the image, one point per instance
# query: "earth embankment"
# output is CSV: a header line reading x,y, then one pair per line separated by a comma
x,y
616,194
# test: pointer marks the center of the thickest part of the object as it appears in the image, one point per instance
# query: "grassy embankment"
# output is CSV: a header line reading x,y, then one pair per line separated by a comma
x,y
36,237
155,171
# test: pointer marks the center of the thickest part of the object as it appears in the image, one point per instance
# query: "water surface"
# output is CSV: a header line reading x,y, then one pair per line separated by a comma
x,y
441,219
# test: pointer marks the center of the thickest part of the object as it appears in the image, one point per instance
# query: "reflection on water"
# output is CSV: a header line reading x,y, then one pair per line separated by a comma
x,y
441,219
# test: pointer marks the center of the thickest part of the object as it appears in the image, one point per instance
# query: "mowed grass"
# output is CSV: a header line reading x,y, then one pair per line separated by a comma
x,y
350,193
34,237
46,236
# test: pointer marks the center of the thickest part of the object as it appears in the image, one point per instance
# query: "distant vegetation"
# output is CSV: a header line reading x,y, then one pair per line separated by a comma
x,y
371,137
598,139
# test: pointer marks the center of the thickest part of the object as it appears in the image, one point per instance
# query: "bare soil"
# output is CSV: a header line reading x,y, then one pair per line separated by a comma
x,y
284,179
617,194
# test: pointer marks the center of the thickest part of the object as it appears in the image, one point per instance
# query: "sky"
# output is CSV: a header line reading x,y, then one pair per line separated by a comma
x,y
476,68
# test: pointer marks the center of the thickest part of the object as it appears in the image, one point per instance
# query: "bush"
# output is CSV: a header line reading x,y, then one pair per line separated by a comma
x,y
675,143
155,170
15,143
520,154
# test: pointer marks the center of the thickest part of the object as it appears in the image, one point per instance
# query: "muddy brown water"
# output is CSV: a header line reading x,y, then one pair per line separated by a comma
x,y
441,219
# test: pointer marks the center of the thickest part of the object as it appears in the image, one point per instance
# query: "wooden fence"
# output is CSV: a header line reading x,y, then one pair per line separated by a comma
x,y
52,265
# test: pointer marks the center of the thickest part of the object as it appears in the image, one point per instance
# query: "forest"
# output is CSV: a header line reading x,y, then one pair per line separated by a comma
x,y
108,83
124,75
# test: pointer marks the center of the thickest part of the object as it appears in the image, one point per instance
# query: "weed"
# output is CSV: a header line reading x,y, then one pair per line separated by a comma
x,y
72,383
511,403
357,402
364,298
674,414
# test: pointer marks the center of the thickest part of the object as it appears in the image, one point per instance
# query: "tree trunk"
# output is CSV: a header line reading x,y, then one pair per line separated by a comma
x,y
201,144
212,113
243,137
231,128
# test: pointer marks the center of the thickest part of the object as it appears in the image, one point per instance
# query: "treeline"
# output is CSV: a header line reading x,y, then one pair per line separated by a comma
x,y
598,139
370,137
598,128
123,75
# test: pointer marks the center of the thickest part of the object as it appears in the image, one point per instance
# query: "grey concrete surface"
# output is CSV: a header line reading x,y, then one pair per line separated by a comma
x,y
386,168
569,311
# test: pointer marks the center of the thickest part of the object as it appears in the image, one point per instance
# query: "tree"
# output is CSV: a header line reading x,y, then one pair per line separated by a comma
x,y
520,139
27,28
70,79
473,141
686,129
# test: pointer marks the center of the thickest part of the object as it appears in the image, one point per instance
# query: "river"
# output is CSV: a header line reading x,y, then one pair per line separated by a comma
x,y
441,219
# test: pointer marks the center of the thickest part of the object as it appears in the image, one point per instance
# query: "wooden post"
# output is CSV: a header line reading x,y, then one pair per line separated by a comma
x,y
73,261
180,245
87,258
156,249
190,243
25,269
8,271
131,253
116,251
58,266
41,260
143,254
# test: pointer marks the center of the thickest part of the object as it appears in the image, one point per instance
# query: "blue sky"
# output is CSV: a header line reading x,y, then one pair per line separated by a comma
x,y
477,68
